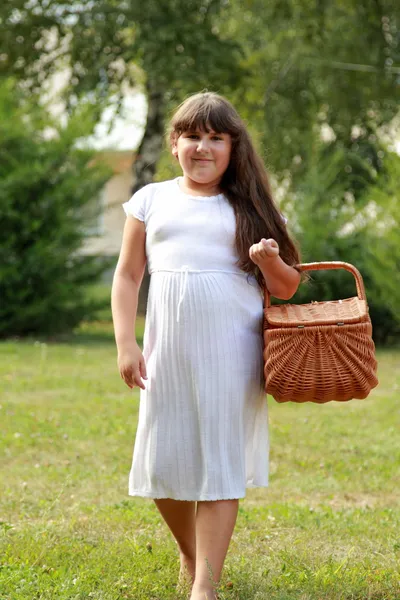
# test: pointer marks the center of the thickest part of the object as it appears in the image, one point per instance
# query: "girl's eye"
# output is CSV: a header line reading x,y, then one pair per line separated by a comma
x,y
196,136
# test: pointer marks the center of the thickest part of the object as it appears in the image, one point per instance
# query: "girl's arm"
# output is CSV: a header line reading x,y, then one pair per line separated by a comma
x,y
127,280
281,280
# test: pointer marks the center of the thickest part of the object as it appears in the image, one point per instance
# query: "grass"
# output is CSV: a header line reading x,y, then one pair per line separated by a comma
x,y
328,527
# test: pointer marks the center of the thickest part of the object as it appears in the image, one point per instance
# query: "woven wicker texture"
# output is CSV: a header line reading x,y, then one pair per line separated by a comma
x,y
321,351
350,310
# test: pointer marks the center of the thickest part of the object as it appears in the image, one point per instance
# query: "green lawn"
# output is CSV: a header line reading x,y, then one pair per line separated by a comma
x,y
327,528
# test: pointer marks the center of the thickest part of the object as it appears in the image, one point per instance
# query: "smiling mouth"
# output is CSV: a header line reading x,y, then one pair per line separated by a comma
x,y
202,159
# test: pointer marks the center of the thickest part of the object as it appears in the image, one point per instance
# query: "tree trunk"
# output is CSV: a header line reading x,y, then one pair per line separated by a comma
x,y
150,147
147,158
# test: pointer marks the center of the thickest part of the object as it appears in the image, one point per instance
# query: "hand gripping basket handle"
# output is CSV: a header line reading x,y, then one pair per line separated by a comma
x,y
322,266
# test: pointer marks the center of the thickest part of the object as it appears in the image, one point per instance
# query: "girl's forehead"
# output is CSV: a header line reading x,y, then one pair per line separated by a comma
x,y
204,129
199,123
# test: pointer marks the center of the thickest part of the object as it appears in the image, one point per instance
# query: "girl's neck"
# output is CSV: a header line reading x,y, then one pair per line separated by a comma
x,y
194,188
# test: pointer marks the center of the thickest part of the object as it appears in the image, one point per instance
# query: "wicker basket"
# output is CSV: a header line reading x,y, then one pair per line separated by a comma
x,y
321,351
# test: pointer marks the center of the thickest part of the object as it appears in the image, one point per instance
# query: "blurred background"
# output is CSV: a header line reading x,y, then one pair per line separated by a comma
x,y
86,90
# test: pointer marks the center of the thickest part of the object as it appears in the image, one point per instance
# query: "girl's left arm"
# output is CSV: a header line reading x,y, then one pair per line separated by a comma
x,y
281,280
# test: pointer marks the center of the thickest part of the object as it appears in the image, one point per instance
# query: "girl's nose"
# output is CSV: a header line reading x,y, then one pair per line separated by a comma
x,y
202,145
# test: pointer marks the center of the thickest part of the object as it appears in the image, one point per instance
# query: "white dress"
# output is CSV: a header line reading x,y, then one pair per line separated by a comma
x,y
203,423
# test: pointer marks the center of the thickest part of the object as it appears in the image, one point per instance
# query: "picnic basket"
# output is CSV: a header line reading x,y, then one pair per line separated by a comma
x,y
320,351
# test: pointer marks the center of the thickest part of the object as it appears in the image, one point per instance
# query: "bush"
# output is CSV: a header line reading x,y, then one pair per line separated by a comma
x,y
335,221
47,187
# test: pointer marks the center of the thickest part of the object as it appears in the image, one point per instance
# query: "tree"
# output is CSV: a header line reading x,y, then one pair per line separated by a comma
x,y
46,191
317,68
330,225
378,228
322,85
317,83
169,47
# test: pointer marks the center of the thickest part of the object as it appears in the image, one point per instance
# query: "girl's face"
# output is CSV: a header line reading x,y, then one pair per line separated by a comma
x,y
203,156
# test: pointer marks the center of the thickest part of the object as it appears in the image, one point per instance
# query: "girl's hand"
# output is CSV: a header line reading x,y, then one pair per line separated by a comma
x,y
264,250
132,366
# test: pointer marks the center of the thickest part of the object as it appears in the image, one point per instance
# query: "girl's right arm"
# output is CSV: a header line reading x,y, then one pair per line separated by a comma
x,y
127,280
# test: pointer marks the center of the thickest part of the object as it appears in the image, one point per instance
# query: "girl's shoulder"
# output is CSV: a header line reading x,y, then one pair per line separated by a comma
x,y
159,186
138,205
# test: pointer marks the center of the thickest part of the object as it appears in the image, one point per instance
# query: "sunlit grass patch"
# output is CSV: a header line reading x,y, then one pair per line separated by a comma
x,y
326,528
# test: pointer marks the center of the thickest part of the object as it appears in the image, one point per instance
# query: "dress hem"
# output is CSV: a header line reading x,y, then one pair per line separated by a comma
x,y
202,498
160,495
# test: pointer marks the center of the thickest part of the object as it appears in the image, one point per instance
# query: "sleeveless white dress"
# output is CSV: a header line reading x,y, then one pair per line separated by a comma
x,y
203,423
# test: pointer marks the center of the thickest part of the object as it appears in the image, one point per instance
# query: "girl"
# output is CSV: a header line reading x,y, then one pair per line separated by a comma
x,y
202,436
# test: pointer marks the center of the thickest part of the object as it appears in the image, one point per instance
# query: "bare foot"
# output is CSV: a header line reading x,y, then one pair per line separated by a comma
x,y
186,575
188,569
204,594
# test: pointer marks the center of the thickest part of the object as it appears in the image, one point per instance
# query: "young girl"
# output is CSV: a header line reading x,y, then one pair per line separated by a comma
x,y
202,436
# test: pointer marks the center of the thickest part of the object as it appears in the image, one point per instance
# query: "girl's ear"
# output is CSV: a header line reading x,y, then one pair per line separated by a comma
x,y
174,145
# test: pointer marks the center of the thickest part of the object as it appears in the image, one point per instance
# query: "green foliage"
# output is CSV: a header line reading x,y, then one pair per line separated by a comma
x,y
377,229
329,70
315,64
172,43
299,72
47,187
331,223
169,49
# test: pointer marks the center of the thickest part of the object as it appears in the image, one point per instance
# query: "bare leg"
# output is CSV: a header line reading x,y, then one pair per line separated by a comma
x,y
180,516
215,522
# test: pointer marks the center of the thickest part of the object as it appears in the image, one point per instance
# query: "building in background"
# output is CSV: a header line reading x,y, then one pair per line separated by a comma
x,y
105,232
104,235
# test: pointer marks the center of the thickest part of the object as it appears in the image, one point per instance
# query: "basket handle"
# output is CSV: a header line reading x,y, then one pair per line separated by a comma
x,y
322,266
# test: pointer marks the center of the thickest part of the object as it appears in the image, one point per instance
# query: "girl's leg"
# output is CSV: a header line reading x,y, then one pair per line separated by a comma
x,y
180,516
215,522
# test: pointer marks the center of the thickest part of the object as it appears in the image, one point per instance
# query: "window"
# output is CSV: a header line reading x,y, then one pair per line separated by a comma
x,y
94,215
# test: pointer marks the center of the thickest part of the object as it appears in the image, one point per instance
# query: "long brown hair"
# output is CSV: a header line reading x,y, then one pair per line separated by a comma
x,y
245,182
